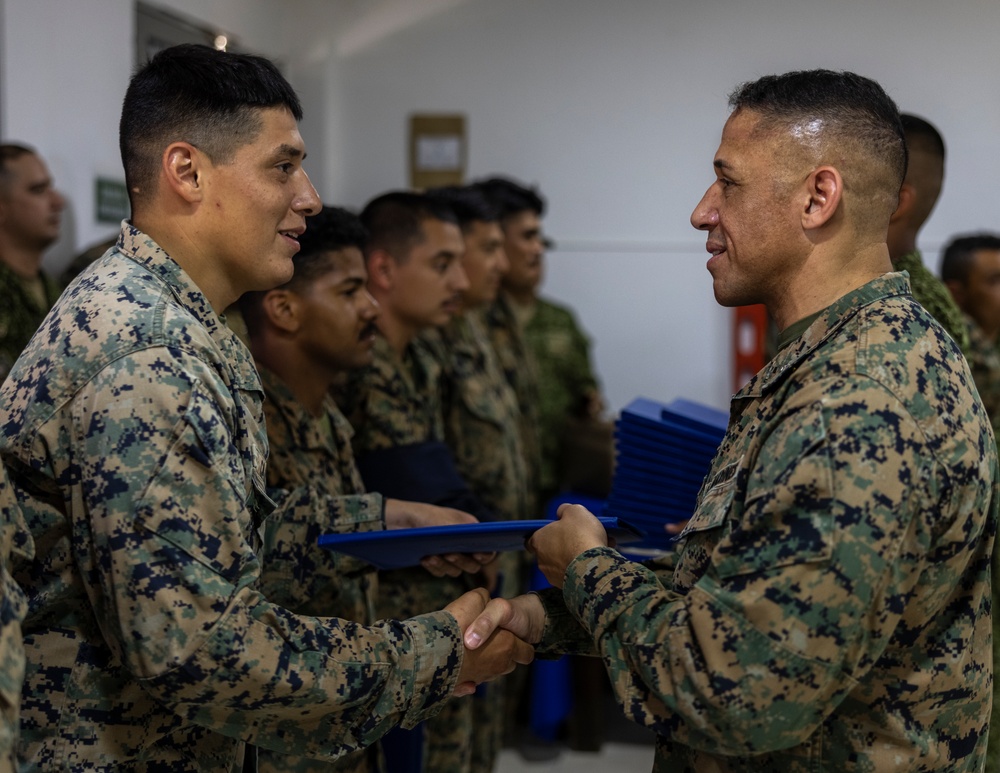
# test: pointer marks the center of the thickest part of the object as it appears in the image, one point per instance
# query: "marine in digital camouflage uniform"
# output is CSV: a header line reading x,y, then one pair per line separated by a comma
x,y
481,415
305,336
970,269
132,432
30,215
145,617
295,571
395,408
828,604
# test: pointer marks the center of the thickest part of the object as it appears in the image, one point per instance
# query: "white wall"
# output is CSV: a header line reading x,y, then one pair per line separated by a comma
x,y
613,108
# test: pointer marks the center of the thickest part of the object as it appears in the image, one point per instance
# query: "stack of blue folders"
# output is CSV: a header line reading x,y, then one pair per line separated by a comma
x,y
662,454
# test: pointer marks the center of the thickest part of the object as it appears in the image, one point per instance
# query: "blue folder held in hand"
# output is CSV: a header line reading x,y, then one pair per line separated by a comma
x,y
399,548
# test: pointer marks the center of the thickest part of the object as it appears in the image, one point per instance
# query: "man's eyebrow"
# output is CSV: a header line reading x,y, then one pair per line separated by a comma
x,y
722,164
289,150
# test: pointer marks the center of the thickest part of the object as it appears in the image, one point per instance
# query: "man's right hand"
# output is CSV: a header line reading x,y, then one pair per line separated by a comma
x,y
496,653
523,616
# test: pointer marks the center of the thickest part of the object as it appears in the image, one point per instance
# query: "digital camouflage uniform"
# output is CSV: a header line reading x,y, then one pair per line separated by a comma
x,y
391,404
828,605
132,431
931,293
565,381
15,544
984,362
518,365
480,414
306,451
20,314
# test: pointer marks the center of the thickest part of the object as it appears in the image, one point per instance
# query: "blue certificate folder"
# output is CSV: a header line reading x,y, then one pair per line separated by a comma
x,y
398,548
662,453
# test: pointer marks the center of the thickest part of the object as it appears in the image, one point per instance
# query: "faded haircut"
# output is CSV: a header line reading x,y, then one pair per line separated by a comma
x,y
193,93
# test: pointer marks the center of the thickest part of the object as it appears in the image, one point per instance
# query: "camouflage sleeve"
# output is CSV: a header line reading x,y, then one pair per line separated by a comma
x,y
802,591
163,552
15,540
297,573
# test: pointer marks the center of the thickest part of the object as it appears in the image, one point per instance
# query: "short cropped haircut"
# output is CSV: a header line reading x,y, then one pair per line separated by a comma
x,y
511,198
193,93
857,123
330,230
958,255
468,203
921,134
11,152
394,221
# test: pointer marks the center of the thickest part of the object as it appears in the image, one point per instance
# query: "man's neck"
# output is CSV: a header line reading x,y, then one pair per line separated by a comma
x,y
23,262
823,280
174,238
308,384
523,298
397,333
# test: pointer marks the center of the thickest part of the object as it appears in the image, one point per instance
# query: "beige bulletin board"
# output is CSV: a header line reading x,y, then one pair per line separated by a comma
x,y
437,150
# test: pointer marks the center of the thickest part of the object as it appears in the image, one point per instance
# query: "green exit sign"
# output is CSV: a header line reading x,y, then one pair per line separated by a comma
x,y
111,201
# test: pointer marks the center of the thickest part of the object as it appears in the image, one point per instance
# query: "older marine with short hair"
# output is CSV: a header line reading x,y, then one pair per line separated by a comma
x,y
828,605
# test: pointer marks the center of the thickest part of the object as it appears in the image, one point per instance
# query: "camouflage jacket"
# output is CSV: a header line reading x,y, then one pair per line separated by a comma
x,y
480,414
296,573
15,544
394,402
931,293
562,355
132,430
518,365
20,314
828,605
984,361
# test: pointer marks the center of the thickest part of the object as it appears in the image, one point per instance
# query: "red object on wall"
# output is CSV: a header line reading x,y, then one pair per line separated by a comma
x,y
749,334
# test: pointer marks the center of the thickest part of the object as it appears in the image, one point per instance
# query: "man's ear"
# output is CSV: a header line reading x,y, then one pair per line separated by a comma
x,y
183,167
907,198
824,191
283,309
381,269
957,290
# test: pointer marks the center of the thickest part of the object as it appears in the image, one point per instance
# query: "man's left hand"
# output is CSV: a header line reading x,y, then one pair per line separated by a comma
x,y
559,542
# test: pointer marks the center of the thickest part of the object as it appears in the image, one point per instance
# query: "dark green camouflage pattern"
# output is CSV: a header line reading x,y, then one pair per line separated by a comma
x,y
132,431
20,314
931,293
565,380
518,366
829,607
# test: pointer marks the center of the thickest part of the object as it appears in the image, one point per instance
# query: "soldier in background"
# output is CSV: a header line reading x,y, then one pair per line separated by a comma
x,y
970,268
481,415
30,215
132,431
304,336
917,197
413,255
845,529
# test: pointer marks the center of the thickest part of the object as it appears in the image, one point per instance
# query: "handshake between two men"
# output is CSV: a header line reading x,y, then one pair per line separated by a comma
x,y
501,633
